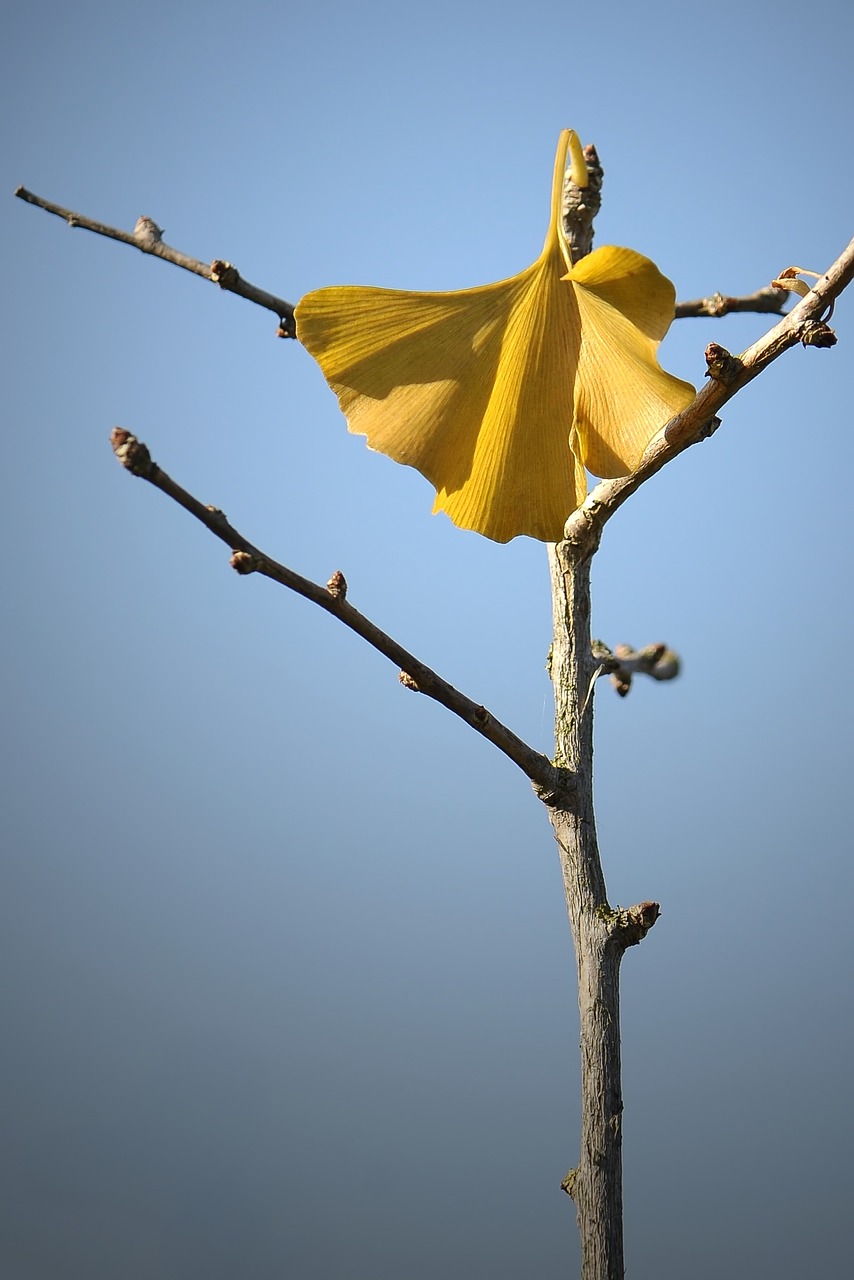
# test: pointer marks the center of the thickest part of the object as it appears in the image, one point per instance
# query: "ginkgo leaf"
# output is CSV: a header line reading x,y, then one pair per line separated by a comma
x,y
501,395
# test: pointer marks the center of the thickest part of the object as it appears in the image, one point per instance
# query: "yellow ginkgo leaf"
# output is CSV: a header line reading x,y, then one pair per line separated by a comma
x,y
502,395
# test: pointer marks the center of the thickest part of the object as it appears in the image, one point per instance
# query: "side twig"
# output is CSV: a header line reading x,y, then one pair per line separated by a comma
x,y
654,660
414,674
768,300
147,237
727,375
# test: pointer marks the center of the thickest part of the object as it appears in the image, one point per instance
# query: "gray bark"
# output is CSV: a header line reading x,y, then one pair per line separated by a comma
x,y
600,935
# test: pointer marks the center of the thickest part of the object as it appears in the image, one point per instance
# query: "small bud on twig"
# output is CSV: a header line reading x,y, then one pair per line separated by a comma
x,y
147,231
243,563
720,365
224,274
337,586
815,333
132,453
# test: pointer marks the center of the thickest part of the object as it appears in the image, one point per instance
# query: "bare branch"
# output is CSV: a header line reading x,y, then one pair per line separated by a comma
x,y
727,375
147,237
549,780
580,208
767,300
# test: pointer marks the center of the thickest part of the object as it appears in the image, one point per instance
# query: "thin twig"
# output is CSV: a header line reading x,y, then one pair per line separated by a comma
x,y
767,300
147,238
727,375
549,780
227,277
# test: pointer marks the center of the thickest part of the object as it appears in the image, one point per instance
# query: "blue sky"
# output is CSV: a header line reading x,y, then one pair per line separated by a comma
x,y
288,985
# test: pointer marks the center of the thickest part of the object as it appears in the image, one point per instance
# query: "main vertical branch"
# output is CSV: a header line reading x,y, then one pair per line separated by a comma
x,y
596,1184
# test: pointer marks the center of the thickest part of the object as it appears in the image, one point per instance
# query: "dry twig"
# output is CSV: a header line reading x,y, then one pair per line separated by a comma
x,y
246,558
147,237
768,300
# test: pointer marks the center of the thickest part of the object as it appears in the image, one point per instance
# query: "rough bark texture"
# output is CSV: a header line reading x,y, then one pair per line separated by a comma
x,y
596,1184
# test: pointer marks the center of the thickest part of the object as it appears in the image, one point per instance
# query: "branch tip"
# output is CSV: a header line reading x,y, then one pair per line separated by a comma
x,y
132,453
655,660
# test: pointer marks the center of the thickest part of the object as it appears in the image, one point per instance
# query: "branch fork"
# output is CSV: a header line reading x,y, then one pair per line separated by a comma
x,y
601,934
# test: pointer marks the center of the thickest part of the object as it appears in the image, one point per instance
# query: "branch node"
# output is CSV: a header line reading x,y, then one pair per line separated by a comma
x,y
568,1184
224,274
145,230
720,365
582,532
218,514
560,792
581,204
816,333
243,563
770,300
408,683
630,924
133,454
337,586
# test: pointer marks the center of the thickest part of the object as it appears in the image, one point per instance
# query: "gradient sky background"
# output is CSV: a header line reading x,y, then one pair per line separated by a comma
x,y
288,987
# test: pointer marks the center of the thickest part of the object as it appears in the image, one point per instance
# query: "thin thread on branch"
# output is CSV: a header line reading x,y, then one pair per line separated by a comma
x,y
147,237
246,558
